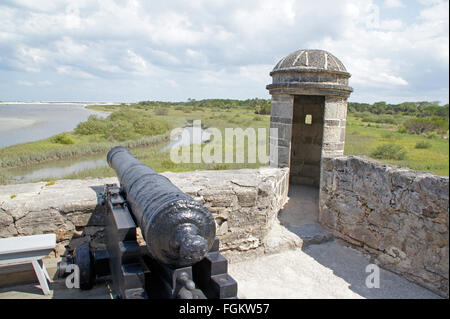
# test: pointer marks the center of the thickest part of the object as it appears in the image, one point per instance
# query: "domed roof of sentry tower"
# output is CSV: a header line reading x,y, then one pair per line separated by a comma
x,y
310,72
310,60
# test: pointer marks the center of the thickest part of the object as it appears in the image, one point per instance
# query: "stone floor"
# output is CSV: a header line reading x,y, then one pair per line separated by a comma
x,y
300,215
58,290
324,271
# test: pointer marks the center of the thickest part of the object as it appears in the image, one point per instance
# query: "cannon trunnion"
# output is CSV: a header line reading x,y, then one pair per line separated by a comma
x,y
180,258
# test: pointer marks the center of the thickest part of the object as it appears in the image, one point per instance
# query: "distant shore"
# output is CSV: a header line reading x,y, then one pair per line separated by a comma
x,y
82,103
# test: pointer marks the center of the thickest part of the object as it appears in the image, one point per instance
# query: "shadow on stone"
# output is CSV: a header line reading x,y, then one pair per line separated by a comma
x,y
300,215
89,229
350,265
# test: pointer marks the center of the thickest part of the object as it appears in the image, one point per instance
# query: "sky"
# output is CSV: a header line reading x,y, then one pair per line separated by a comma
x,y
173,50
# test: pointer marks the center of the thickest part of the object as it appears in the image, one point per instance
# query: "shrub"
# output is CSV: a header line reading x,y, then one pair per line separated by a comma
x,y
401,129
389,151
168,164
123,125
388,135
94,125
382,119
432,135
161,111
426,125
423,144
120,130
263,110
62,139
149,126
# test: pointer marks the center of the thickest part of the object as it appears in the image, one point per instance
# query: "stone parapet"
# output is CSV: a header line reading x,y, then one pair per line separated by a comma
x,y
398,215
244,204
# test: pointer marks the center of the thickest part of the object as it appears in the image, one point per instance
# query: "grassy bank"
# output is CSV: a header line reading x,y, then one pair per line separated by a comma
x,y
363,138
372,135
126,127
46,150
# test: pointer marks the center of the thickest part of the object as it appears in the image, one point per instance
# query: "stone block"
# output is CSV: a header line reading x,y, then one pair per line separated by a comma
x,y
246,196
284,130
331,134
335,108
332,122
42,222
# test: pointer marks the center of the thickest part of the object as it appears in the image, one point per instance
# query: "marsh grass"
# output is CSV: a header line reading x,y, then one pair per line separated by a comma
x,y
360,140
46,150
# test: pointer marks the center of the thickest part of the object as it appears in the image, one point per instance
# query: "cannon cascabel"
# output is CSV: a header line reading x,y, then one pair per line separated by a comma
x,y
178,230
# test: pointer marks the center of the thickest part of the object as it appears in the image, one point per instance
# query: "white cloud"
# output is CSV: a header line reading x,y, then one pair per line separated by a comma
x,y
224,46
74,72
393,3
258,73
37,83
137,64
375,73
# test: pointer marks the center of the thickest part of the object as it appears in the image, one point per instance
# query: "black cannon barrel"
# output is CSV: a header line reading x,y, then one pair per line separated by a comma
x,y
178,230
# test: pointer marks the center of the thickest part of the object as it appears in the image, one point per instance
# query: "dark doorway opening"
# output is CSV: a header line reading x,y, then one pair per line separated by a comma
x,y
306,141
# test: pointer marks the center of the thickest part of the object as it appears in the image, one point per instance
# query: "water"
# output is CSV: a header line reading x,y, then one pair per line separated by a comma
x,y
61,168
189,136
20,123
55,170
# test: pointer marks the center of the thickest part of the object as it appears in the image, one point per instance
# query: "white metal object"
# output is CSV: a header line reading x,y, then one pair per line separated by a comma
x,y
29,249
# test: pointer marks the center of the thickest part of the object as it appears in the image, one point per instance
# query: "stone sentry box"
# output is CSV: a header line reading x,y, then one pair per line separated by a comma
x,y
309,107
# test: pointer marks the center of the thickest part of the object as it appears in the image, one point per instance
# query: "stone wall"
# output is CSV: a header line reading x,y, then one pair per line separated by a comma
x,y
399,216
244,203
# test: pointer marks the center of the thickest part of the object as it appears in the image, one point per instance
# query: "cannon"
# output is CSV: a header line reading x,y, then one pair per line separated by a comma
x,y
180,257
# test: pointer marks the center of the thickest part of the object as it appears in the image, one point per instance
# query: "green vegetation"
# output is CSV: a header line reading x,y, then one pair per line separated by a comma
x,y
127,127
389,151
62,139
46,150
123,125
437,125
423,144
413,135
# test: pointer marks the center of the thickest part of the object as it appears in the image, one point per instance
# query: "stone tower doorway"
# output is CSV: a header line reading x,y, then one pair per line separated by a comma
x,y
309,92
306,140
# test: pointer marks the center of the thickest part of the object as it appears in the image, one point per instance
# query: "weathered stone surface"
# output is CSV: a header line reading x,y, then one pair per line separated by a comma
x,y
45,221
7,228
398,215
243,202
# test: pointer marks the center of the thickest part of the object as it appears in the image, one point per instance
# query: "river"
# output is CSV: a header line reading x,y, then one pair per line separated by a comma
x,y
60,168
27,122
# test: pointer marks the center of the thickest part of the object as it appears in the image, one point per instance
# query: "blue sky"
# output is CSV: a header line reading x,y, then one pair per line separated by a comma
x,y
130,50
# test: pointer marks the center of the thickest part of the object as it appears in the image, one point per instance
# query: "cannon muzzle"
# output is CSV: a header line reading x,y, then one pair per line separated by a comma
x,y
178,230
